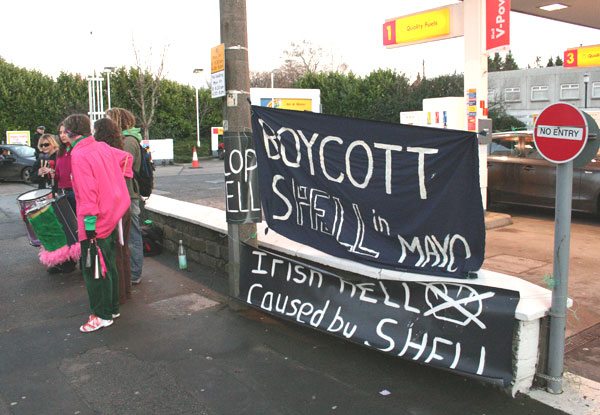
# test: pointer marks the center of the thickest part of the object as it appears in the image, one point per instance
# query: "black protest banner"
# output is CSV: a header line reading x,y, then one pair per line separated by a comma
x,y
388,195
454,326
241,182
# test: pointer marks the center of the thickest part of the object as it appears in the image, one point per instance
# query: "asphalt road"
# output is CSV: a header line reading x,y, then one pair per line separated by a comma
x,y
204,185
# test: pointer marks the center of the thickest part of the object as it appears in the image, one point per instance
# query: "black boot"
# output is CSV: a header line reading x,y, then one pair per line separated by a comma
x,y
64,268
68,267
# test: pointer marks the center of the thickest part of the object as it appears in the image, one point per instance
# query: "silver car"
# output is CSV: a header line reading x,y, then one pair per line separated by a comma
x,y
518,174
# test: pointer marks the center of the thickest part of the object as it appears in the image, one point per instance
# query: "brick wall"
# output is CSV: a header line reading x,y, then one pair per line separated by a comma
x,y
204,246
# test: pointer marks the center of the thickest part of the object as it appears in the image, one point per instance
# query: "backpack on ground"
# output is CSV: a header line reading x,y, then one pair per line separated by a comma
x,y
152,239
145,177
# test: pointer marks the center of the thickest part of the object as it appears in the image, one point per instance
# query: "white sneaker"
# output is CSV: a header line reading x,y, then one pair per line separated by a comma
x,y
94,323
116,315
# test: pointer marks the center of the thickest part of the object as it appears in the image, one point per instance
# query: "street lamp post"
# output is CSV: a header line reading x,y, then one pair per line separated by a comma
x,y
197,111
586,80
108,70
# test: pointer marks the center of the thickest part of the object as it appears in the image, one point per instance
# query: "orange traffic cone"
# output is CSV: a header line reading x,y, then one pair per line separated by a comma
x,y
195,159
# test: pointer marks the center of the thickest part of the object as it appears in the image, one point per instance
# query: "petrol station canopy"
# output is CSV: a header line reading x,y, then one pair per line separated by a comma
x,y
579,12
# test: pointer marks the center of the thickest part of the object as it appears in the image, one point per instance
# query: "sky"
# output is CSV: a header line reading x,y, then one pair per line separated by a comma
x,y
83,36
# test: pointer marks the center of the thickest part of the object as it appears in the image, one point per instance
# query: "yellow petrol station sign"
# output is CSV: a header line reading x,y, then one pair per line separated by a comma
x,y
580,57
417,27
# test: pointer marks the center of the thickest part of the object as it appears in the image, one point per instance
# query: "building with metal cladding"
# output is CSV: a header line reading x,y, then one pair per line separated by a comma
x,y
524,93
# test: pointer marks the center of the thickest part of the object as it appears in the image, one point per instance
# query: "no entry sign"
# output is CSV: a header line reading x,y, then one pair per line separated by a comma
x,y
560,133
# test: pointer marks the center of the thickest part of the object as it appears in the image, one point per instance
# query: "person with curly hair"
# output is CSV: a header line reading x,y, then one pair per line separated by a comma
x,y
105,130
125,120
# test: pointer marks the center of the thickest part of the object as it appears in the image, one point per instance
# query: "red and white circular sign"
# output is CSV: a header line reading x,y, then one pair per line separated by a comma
x,y
560,133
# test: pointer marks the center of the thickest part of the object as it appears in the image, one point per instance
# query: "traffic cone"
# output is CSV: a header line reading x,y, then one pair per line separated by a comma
x,y
195,163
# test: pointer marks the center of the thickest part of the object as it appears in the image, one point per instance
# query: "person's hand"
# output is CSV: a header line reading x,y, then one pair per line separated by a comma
x,y
90,234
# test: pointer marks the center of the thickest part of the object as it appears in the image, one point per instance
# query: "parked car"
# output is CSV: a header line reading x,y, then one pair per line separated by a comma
x,y
518,174
15,162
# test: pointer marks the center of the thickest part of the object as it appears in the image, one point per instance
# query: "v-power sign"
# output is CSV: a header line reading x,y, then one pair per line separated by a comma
x,y
560,133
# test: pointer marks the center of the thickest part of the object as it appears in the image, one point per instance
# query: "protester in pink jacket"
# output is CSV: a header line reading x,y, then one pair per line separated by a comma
x,y
98,174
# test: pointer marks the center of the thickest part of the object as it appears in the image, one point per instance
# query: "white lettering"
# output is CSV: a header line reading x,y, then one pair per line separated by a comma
x,y
421,169
388,163
369,164
270,140
287,214
364,288
284,158
386,300
420,347
309,145
258,269
322,158
433,354
380,333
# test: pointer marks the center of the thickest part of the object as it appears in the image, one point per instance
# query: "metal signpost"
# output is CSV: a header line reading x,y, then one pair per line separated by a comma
x,y
560,135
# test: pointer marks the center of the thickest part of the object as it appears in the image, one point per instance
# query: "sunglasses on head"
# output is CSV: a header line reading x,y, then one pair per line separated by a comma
x,y
45,144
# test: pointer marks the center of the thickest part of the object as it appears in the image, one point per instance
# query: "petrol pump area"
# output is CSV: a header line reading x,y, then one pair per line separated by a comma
x,y
563,134
375,232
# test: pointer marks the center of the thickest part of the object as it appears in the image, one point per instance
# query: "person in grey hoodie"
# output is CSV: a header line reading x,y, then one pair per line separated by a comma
x,y
125,120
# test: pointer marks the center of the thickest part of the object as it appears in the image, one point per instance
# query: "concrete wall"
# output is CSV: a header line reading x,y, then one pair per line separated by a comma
x,y
552,77
204,246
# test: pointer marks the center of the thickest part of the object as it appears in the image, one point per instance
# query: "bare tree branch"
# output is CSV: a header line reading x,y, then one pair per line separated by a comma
x,y
147,91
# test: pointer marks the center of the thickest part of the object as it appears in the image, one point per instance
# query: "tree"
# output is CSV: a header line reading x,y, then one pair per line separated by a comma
x,y
146,90
386,93
301,59
501,121
305,56
558,61
496,64
550,62
509,62
284,77
29,98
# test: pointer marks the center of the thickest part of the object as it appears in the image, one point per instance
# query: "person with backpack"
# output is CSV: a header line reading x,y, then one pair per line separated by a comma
x,y
132,138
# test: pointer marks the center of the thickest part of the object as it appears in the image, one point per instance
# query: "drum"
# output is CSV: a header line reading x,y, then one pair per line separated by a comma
x,y
55,225
26,201
66,217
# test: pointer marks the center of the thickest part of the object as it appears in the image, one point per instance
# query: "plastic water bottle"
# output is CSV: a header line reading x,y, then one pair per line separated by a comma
x,y
182,256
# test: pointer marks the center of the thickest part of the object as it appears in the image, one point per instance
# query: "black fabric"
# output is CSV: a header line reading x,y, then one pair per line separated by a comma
x,y
152,240
459,327
144,179
388,195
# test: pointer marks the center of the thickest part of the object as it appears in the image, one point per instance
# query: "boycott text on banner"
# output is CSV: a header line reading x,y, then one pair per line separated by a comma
x,y
392,196
454,326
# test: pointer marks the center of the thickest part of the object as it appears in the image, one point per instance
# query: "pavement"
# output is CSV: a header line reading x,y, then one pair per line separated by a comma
x,y
178,348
